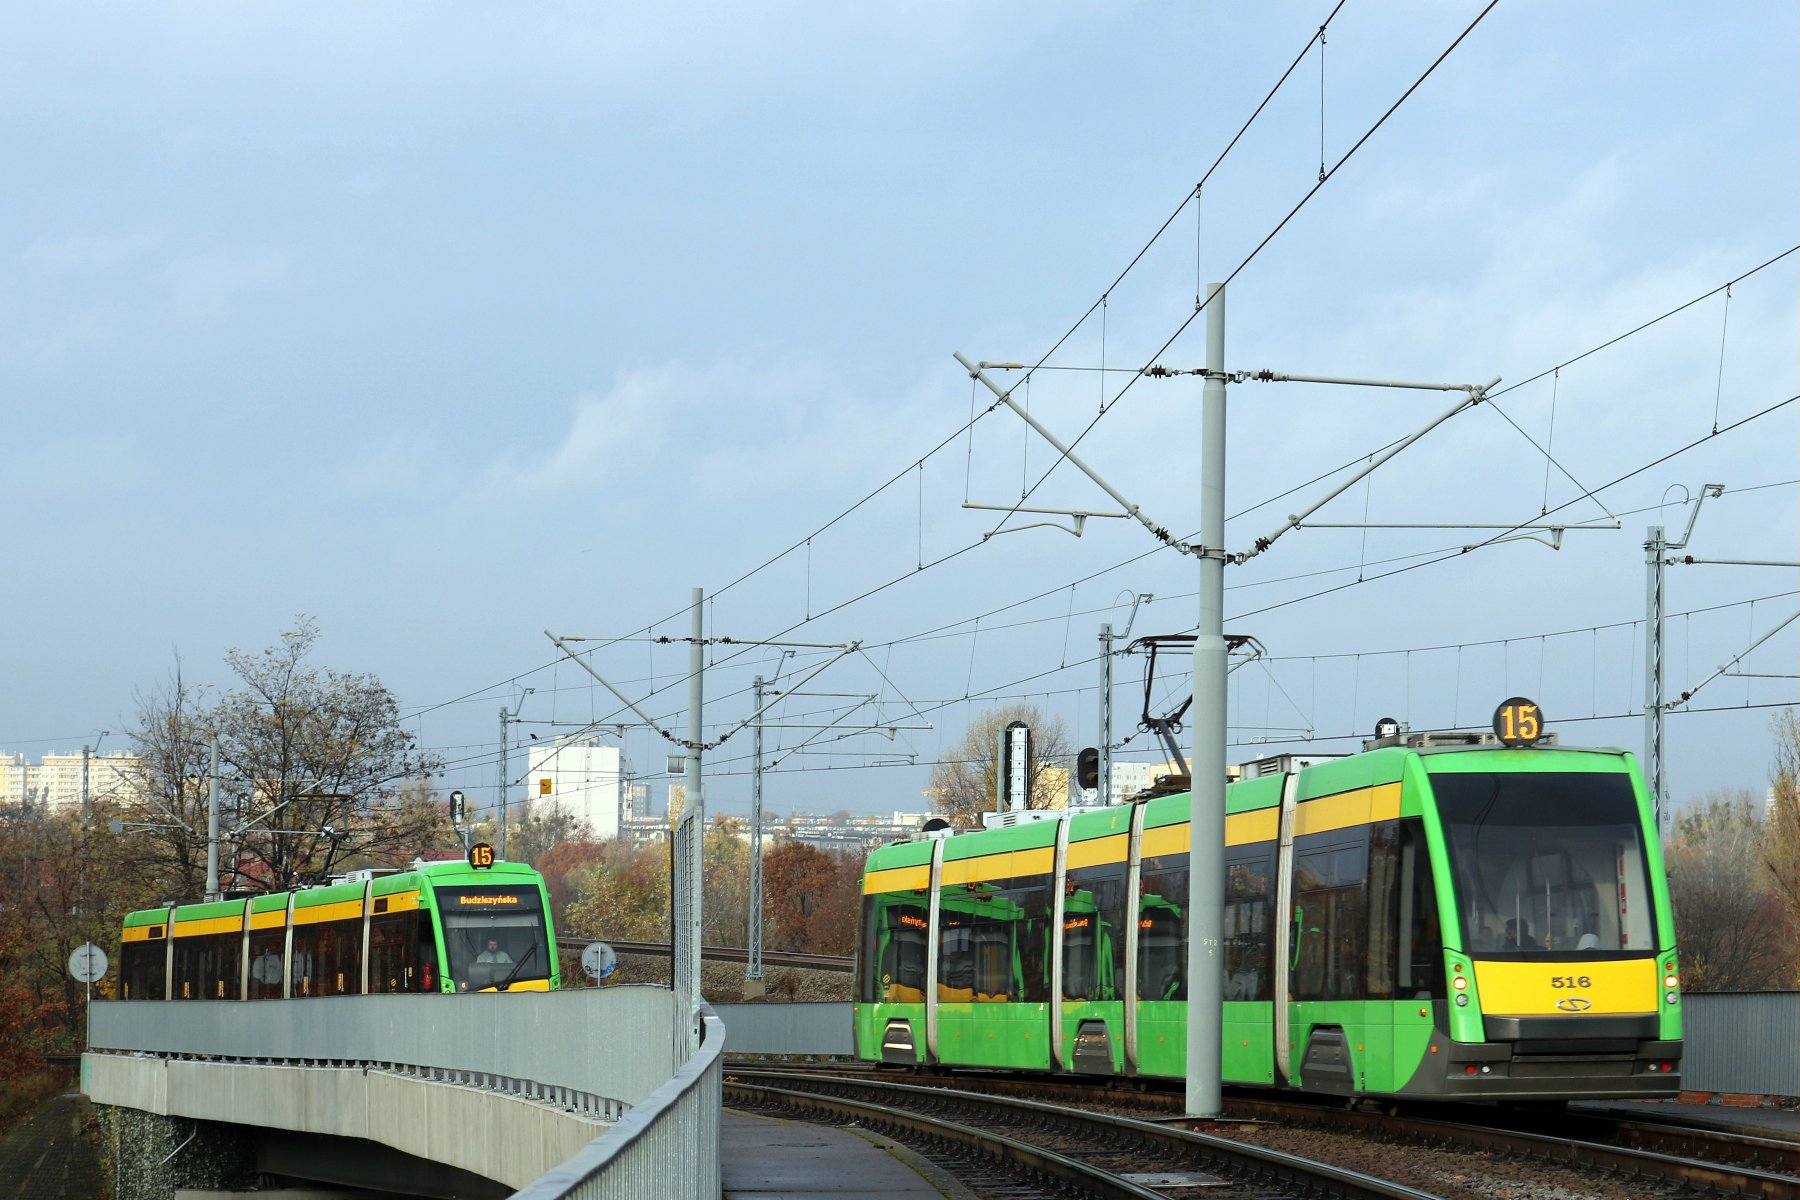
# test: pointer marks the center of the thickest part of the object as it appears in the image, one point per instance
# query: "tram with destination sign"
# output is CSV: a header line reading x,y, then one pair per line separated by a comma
x,y
457,926
1471,916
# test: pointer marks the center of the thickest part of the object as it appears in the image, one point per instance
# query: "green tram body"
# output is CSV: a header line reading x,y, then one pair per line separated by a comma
x,y
1402,869
416,931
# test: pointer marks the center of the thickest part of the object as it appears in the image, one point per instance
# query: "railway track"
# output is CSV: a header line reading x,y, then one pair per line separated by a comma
x,y
1637,1153
1000,1146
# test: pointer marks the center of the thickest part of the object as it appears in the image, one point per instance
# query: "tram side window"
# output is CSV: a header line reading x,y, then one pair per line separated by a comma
x,y
1093,918
1162,929
206,967
141,970
328,958
1248,949
1383,909
1029,897
894,954
340,965
266,946
993,941
956,957
1420,956
1331,937
394,964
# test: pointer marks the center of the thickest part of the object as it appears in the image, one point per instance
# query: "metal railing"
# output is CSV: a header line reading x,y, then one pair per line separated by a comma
x,y
668,1146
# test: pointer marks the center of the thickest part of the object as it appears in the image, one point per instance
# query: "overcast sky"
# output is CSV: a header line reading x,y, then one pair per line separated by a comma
x,y
446,325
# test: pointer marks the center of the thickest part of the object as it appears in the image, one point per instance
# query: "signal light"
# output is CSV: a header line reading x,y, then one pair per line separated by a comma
x,y
1461,983
1087,768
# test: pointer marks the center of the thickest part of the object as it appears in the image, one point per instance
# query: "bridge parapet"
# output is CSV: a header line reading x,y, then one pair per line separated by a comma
x,y
504,1086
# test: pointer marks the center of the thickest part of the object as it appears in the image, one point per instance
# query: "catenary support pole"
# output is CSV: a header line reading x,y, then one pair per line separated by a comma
x,y
212,819
500,790
1206,838
1104,782
1654,549
696,801
753,955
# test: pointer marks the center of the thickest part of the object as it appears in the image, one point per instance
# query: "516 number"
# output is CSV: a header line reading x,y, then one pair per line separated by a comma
x,y
1571,981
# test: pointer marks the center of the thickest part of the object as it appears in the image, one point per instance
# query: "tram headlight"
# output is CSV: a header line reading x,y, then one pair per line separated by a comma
x,y
1462,1000
1671,982
1672,998
1462,983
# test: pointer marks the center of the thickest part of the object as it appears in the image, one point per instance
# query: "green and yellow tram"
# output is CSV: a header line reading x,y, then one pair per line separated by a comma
x,y
439,927
1461,920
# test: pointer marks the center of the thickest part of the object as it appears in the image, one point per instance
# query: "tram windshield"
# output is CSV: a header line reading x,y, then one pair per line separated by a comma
x,y
1547,862
493,936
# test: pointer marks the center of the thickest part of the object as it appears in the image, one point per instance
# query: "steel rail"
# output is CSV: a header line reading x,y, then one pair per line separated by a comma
x,y
1720,1179
1221,1155
1694,1156
1021,1156
1671,1135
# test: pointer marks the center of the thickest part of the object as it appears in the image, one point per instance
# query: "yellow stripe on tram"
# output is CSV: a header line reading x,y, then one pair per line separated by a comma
x,y
343,910
1098,852
897,879
1014,864
1363,806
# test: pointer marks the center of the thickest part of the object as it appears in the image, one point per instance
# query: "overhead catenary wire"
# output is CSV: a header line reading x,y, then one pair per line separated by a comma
x,y
513,679
1257,250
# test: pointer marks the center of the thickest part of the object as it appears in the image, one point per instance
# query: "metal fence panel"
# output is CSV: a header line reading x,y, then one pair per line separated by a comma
x,y
665,1149
685,894
1743,1042
821,1027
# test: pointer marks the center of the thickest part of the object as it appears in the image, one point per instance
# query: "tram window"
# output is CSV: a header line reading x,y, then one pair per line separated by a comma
x,y
1093,921
897,958
1331,939
394,964
1248,949
206,967
1558,857
304,968
141,970
868,949
1383,909
1421,952
996,962
1030,898
512,918
265,963
1162,929
956,958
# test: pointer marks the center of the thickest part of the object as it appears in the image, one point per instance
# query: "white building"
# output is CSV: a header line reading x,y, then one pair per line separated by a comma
x,y
55,782
584,779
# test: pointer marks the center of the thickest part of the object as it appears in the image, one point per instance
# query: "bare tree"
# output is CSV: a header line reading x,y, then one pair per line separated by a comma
x,y
540,828
315,758
314,773
1728,922
166,805
964,786
1781,843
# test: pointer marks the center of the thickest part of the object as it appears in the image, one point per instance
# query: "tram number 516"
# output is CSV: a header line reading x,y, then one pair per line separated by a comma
x,y
1571,981
1518,722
